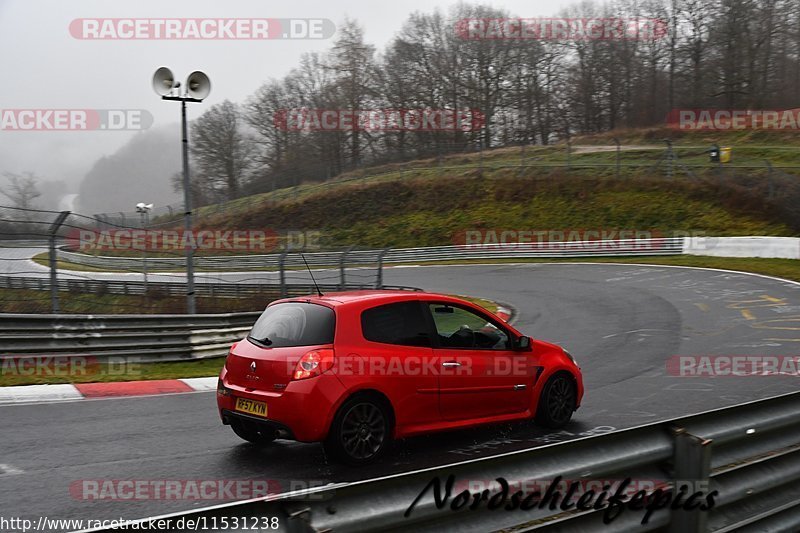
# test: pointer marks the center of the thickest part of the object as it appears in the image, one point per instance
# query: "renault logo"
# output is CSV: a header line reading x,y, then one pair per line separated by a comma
x,y
253,366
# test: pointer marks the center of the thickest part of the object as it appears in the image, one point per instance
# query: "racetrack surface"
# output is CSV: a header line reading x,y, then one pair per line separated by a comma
x,y
621,322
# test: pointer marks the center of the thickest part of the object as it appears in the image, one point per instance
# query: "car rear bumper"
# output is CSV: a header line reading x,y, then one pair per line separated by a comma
x,y
250,421
302,411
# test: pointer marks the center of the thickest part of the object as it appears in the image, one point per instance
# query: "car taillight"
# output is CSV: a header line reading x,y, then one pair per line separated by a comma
x,y
314,363
222,390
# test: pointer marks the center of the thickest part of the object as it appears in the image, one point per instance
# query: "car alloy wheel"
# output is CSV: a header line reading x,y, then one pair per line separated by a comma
x,y
360,431
557,402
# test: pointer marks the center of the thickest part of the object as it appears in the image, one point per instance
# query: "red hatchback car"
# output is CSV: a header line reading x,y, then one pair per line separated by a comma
x,y
354,370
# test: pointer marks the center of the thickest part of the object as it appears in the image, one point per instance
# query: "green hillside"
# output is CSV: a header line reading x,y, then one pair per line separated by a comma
x,y
424,203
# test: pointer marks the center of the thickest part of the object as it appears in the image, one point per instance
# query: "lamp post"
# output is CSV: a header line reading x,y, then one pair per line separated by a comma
x,y
144,210
196,89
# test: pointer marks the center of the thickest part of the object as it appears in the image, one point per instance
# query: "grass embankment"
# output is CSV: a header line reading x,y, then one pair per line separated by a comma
x,y
423,212
430,212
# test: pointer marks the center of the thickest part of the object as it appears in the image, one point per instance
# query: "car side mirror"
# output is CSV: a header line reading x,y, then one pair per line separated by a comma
x,y
523,343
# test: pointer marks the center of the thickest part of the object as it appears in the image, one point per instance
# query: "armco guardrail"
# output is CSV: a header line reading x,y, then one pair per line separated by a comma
x,y
178,288
265,262
775,247
619,247
144,338
747,456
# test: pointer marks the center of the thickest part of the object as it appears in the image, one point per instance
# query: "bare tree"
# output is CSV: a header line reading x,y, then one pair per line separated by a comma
x,y
721,53
222,153
22,189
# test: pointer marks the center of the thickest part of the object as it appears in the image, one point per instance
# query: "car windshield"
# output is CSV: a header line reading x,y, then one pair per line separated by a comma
x,y
294,324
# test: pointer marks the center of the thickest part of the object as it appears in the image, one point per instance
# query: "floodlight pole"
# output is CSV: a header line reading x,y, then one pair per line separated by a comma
x,y
187,202
196,89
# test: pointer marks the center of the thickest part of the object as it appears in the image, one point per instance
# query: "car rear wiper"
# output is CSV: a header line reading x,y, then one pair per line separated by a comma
x,y
265,341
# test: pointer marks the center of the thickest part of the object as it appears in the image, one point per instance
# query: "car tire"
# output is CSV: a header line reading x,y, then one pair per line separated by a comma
x,y
253,434
557,402
360,432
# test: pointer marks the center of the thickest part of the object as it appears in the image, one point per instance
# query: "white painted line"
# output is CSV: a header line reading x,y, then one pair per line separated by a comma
x,y
39,393
202,384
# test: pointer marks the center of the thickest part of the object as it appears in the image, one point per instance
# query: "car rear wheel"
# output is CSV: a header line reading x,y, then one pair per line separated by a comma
x,y
253,434
360,431
557,402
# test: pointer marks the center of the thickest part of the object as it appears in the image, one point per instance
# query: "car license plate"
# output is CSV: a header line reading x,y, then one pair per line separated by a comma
x,y
251,406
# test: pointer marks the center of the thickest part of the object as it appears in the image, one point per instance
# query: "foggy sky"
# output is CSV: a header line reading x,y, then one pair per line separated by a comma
x,y
43,66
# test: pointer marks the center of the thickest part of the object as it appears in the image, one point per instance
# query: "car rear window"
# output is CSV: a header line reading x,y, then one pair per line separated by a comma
x,y
400,323
294,324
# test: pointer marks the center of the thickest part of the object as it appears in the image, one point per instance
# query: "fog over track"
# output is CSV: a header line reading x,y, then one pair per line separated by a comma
x,y
621,322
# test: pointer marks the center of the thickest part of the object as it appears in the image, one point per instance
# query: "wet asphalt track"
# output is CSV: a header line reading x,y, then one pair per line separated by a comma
x,y
621,322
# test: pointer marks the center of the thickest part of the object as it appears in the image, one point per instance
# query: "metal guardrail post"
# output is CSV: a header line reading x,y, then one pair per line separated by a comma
x,y
770,181
692,467
343,268
54,304
282,273
670,158
480,157
569,155
379,279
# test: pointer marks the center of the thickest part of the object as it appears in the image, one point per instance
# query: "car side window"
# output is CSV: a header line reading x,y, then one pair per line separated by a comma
x,y
458,327
401,323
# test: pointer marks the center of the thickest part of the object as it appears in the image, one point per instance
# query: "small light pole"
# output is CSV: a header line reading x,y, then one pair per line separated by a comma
x,y
198,86
144,210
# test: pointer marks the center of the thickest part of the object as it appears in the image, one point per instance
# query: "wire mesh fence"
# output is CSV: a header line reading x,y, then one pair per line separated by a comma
x,y
43,269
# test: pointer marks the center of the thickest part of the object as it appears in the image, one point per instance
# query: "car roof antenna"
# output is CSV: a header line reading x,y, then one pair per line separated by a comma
x,y
312,275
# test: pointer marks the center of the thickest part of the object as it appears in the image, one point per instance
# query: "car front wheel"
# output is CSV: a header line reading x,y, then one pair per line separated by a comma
x,y
557,402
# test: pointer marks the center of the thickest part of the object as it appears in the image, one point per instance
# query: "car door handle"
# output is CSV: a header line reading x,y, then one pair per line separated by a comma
x,y
451,363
